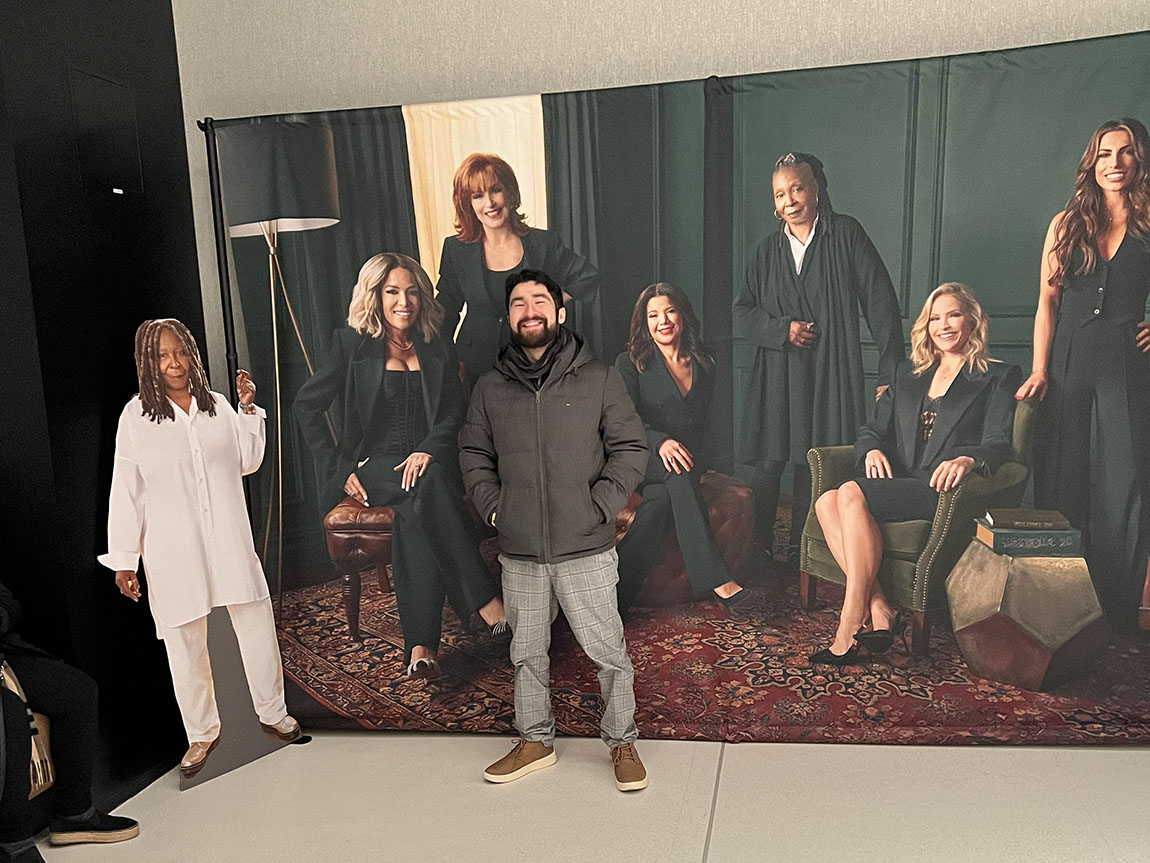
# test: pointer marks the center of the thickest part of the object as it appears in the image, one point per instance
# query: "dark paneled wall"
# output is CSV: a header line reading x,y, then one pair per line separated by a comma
x,y
97,263
954,166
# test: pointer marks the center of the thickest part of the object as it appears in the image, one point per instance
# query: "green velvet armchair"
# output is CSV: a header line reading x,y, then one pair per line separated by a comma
x,y
917,555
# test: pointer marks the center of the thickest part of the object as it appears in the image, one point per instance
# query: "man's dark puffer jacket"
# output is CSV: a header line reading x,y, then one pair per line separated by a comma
x,y
555,464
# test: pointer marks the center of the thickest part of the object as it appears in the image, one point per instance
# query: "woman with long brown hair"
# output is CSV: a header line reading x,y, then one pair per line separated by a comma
x,y
492,240
177,503
670,377
395,382
1092,364
948,411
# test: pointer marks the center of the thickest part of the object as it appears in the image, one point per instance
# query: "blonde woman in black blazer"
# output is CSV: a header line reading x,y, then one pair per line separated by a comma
x,y
949,411
394,384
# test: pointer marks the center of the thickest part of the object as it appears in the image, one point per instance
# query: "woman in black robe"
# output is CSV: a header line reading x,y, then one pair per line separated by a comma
x,y
1092,364
949,411
395,383
670,377
492,240
800,307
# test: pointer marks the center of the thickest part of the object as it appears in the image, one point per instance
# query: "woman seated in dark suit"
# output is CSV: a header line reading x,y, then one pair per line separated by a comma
x,y
670,377
395,383
949,411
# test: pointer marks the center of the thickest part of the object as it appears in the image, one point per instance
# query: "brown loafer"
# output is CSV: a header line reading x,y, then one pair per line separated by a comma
x,y
197,754
286,729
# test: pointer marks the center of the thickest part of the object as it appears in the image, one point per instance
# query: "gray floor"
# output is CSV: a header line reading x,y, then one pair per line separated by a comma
x,y
421,797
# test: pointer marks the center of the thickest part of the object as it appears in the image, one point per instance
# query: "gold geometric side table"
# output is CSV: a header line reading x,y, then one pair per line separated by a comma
x,y
1027,621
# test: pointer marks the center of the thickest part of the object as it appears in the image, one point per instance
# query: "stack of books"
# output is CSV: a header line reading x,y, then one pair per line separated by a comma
x,y
1028,533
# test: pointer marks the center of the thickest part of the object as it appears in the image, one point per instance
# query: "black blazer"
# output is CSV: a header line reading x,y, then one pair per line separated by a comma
x,y
485,329
351,384
664,412
975,418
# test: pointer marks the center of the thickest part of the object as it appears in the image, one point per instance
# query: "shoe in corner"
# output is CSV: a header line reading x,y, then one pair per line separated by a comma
x,y
526,756
31,854
196,756
98,828
630,774
286,729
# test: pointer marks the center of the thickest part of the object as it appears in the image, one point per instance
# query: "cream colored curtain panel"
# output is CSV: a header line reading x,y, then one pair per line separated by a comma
x,y
441,135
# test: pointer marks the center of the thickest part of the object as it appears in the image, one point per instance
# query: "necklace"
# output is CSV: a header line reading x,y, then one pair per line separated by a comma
x,y
410,344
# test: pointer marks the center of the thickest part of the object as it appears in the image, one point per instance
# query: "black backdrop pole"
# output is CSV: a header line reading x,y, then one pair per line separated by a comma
x,y
218,227
220,231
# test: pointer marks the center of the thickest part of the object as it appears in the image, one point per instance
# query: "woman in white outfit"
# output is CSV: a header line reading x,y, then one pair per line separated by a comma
x,y
177,501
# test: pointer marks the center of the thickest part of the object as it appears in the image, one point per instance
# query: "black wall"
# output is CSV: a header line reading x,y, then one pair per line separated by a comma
x,y
80,83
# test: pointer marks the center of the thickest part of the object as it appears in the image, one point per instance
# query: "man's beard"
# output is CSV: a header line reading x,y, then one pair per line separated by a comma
x,y
541,339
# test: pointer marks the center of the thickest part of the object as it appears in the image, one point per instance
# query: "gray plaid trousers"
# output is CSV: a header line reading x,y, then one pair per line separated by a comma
x,y
585,589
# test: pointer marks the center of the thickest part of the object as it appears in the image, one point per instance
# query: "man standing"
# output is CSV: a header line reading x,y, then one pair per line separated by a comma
x,y
551,449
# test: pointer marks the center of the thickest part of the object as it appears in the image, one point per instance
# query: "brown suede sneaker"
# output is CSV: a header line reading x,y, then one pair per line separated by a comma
x,y
630,774
524,757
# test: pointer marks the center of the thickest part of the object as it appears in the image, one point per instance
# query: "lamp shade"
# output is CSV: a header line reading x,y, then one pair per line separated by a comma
x,y
277,172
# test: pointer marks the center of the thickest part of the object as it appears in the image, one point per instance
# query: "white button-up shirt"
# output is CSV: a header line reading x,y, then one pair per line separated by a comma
x,y
177,501
798,247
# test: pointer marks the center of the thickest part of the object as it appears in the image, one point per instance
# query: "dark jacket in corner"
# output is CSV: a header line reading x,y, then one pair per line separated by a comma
x,y
555,464
10,640
351,384
975,418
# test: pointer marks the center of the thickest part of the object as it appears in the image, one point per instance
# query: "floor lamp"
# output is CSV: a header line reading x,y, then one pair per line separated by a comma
x,y
277,178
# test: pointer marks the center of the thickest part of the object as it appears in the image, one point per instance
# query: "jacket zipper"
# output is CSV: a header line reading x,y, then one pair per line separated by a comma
x,y
542,475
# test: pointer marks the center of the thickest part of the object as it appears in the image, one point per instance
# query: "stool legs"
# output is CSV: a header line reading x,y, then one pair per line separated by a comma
x,y
352,587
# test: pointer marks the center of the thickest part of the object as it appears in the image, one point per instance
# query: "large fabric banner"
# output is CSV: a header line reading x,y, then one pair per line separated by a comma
x,y
823,423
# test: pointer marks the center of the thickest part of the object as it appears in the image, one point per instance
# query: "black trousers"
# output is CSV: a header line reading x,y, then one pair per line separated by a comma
x,y
670,500
434,550
765,483
68,697
1092,462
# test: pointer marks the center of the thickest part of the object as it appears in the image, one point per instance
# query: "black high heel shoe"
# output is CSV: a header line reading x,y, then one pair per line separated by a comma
x,y
734,599
882,640
827,657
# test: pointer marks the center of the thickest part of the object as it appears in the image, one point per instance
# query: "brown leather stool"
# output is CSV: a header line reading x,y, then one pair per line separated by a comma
x,y
730,511
359,538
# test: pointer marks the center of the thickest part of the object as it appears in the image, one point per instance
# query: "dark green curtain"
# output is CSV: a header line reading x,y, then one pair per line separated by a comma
x,y
320,269
571,147
718,233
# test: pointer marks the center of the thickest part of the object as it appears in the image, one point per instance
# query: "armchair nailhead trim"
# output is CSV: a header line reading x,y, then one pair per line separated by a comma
x,y
951,505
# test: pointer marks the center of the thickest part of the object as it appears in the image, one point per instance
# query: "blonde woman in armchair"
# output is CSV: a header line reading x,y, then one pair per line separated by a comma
x,y
949,412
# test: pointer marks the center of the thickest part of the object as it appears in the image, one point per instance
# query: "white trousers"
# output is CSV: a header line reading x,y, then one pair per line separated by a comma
x,y
187,647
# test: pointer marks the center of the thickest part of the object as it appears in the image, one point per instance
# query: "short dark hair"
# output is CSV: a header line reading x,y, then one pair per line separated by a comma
x,y
539,276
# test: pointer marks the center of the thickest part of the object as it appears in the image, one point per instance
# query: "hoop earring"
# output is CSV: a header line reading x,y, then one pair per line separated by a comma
x,y
778,218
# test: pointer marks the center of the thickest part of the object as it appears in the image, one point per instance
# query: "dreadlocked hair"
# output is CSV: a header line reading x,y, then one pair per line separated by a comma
x,y
793,160
153,396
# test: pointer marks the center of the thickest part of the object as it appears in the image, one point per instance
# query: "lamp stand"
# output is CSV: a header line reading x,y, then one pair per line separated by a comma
x,y
276,277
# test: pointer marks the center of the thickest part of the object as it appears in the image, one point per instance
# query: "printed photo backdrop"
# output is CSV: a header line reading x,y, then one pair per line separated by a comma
x,y
954,166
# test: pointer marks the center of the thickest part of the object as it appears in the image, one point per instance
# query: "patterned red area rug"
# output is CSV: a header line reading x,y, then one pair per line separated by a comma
x,y
704,673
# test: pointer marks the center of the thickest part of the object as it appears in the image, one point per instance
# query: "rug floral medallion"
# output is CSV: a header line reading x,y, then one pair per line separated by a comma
x,y
702,672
